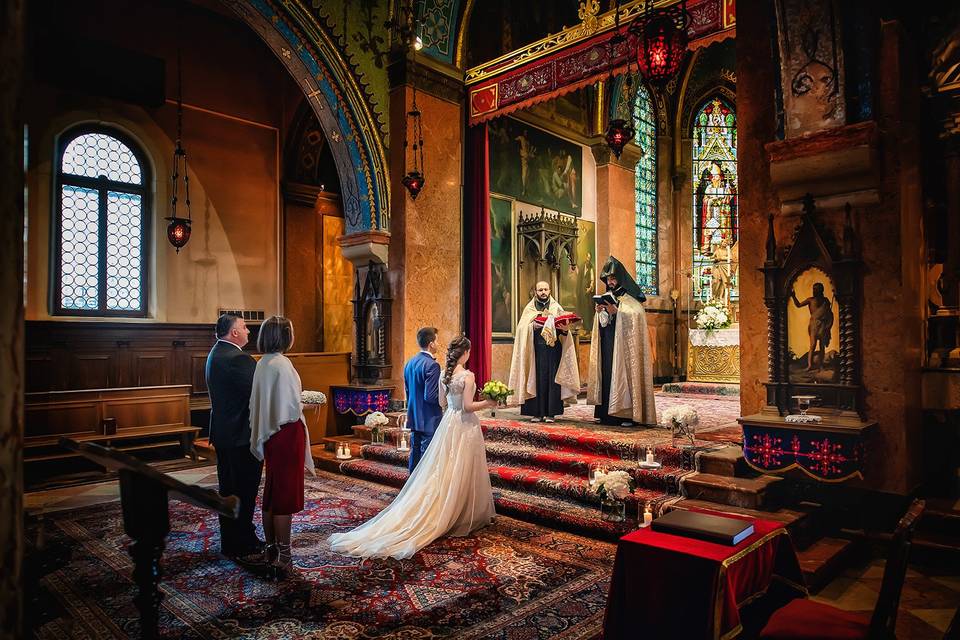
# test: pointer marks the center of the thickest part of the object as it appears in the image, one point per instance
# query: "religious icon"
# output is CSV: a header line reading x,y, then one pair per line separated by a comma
x,y
812,330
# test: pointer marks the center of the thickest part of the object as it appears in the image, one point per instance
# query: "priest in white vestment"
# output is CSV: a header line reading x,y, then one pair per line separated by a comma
x,y
620,374
543,371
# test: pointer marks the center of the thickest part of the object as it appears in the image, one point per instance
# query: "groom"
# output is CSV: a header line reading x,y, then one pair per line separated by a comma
x,y
421,377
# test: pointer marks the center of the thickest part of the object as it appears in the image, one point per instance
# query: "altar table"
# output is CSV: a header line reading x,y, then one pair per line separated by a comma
x,y
670,586
714,356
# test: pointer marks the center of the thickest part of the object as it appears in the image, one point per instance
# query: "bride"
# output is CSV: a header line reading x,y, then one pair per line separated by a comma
x,y
449,492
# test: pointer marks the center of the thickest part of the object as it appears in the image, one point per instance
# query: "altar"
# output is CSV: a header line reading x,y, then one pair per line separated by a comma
x,y
714,355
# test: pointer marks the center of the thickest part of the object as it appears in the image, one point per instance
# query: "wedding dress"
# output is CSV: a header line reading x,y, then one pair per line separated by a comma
x,y
448,493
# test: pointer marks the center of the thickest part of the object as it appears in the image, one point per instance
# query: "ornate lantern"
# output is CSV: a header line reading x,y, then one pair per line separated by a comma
x,y
413,181
619,133
178,231
661,41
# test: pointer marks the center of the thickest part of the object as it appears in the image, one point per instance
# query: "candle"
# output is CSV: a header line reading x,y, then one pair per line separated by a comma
x,y
649,456
647,517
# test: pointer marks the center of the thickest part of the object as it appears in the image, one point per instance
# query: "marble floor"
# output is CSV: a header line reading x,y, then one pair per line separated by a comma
x,y
929,600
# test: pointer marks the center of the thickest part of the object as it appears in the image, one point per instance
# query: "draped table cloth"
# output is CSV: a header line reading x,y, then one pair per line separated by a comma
x,y
670,586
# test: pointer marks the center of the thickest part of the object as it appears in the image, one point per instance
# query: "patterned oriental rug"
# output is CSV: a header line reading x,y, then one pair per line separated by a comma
x,y
509,580
539,471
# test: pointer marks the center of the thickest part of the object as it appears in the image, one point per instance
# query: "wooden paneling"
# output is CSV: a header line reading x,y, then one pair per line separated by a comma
x,y
317,372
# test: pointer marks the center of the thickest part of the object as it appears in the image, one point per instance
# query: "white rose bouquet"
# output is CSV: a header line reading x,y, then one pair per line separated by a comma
x,y
376,421
313,397
682,419
614,485
714,315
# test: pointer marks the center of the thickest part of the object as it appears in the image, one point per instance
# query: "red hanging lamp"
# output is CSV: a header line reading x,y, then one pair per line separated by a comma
x,y
661,41
619,130
178,231
414,179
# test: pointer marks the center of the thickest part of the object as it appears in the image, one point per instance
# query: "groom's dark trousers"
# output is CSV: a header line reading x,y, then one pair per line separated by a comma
x,y
229,380
421,378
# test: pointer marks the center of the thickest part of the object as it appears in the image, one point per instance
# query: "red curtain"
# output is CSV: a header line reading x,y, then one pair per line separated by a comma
x,y
477,252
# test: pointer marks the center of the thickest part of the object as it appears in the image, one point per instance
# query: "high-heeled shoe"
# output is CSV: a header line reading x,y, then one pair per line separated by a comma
x,y
281,561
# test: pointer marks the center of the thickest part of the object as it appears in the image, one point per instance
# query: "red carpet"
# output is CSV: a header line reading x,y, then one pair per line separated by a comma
x,y
510,580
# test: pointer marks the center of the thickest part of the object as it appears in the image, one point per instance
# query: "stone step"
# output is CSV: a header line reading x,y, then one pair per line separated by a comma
x,y
763,492
727,461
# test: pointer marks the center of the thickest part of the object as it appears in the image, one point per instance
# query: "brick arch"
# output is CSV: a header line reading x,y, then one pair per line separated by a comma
x,y
310,54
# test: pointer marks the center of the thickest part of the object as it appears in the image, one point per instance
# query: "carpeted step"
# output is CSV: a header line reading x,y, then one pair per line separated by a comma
x,y
381,472
386,453
725,461
762,492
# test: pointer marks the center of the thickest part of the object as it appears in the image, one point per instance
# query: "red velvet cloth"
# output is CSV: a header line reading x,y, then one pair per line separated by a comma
x,y
804,619
283,456
669,586
477,264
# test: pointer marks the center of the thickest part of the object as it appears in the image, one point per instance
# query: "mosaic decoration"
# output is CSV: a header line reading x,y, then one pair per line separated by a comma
x,y
645,193
438,25
359,401
342,105
827,456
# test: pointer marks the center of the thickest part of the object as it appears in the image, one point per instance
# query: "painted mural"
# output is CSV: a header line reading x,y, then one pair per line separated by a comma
x,y
534,166
502,230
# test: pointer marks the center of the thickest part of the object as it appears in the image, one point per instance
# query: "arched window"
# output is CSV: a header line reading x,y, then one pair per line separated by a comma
x,y
645,193
102,225
715,221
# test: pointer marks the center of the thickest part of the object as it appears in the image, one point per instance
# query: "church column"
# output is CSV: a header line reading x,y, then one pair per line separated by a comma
x,y
11,320
616,212
426,246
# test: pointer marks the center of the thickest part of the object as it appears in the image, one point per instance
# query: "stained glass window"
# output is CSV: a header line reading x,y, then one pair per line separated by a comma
x,y
102,225
715,219
645,193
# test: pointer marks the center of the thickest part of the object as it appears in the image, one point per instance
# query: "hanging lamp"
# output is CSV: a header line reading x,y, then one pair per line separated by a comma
x,y
661,41
178,231
619,130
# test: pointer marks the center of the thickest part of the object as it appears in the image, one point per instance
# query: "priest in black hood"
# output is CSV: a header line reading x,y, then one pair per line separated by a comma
x,y
620,375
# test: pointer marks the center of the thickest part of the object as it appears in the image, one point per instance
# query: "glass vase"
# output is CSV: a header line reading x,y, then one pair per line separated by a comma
x,y
376,435
612,510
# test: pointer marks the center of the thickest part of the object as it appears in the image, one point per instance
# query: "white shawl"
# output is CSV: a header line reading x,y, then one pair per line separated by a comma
x,y
274,402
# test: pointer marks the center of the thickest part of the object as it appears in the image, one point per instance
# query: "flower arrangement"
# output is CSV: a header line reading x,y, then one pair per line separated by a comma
x,y
376,421
614,485
496,390
714,315
682,419
313,397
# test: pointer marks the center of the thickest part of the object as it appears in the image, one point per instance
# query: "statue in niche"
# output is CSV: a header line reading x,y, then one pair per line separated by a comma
x,y
374,324
723,271
821,322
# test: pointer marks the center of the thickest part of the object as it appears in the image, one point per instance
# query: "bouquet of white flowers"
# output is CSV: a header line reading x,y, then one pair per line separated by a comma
x,y
376,419
682,419
615,485
313,397
714,315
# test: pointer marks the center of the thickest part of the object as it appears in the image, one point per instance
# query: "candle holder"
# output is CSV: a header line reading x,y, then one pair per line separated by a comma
x,y
647,461
645,517
403,440
593,471
343,451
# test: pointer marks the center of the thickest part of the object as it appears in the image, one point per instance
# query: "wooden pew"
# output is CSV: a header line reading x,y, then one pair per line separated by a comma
x,y
146,417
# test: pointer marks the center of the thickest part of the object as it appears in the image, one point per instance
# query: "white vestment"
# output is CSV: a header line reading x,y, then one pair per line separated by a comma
x,y
631,384
523,366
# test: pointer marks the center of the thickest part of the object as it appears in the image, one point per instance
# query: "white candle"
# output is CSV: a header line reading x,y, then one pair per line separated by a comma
x,y
649,456
647,517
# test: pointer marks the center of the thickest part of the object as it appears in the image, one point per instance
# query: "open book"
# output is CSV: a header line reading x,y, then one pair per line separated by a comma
x,y
606,298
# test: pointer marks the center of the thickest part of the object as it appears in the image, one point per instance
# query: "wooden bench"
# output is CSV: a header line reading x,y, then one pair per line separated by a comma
x,y
146,418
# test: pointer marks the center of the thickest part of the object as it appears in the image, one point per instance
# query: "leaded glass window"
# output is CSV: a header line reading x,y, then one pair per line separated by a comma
x,y
645,193
715,220
102,229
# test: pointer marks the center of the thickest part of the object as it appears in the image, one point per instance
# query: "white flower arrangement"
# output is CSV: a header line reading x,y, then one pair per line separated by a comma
x,y
376,419
682,419
614,485
313,397
714,315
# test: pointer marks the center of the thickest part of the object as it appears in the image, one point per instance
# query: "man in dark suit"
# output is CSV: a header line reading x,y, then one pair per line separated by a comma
x,y
421,378
229,380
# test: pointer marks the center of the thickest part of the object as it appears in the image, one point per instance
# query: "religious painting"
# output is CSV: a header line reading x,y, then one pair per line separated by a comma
x,y
502,243
715,216
813,329
578,284
811,62
532,165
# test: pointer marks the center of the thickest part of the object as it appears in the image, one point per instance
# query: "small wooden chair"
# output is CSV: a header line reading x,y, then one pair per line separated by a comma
x,y
803,619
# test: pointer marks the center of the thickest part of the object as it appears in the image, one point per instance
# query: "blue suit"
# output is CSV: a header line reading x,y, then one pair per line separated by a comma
x,y
421,377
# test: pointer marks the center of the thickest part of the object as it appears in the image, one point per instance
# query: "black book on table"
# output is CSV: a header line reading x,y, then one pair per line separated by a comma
x,y
606,298
705,526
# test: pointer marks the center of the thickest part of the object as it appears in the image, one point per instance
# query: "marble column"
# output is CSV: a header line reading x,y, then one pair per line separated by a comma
x,y
426,245
616,209
11,319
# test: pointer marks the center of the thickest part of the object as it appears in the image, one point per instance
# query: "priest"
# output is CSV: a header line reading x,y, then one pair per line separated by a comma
x,y
543,372
620,374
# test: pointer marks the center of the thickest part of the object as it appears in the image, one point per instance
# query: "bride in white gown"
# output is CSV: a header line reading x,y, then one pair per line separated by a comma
x,y
449,492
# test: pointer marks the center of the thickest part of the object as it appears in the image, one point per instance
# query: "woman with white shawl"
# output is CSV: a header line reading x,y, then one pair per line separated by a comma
x,y
279,436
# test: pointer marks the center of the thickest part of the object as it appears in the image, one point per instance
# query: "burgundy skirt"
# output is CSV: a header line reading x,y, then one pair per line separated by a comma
x,y
283,456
